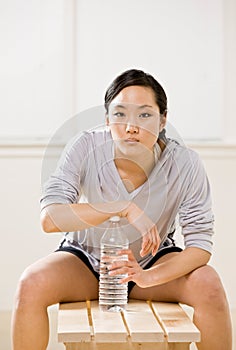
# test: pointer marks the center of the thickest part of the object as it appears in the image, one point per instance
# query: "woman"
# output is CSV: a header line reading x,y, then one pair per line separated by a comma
x,y
132,170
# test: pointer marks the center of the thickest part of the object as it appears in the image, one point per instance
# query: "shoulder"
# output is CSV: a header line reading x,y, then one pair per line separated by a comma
x,y
87,140
185,161
183,154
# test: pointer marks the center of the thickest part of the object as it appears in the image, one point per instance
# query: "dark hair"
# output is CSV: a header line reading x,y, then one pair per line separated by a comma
x,y
136,77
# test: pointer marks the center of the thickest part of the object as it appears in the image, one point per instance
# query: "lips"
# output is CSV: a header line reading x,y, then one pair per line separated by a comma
x,y
131,140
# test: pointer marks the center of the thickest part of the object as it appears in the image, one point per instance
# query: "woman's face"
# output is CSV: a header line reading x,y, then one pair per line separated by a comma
x,y
134,120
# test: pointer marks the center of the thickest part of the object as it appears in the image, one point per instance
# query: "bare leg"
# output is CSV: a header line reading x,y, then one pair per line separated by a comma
x,y
201,289
59,277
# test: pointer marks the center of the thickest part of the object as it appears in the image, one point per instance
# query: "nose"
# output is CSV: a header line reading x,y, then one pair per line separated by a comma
x,y
131,128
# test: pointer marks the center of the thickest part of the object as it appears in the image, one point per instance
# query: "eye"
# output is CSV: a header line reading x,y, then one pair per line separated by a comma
x,y
119,115
145,115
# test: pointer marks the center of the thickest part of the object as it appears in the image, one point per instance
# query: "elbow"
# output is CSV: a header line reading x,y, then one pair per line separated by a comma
x,y
47,223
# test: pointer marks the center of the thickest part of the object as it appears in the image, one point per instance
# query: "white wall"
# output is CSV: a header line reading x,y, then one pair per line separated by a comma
x,y
229,106
179,42
22,240
58,56
36,63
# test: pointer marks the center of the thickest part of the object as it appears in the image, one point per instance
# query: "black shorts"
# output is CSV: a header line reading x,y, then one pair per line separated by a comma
x,y
83,257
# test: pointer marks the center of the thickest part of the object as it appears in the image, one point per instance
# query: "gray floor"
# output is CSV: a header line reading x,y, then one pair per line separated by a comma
x,y
5,319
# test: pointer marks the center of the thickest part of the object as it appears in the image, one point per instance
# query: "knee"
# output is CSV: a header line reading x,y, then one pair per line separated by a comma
x,y
206,286
29,288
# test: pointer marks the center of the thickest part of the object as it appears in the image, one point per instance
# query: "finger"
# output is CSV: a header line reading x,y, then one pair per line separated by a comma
x,y
145,251
116,265
157,242
127,279
119,271
154,243
151,242
146,246
155,248
127,252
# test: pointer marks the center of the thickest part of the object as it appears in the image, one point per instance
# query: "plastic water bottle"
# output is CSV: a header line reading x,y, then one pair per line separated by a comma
x,y
113,296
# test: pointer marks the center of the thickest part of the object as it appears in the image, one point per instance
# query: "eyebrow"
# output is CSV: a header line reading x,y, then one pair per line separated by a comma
x,y
139,107
144,106
119,106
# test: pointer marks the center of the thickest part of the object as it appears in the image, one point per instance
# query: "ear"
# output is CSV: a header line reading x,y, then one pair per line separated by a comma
x,y
107,122
162,121
107,119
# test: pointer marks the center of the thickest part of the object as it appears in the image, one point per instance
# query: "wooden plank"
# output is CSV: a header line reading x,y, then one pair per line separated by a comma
x,y
118,346
178,346
142,324
176,323
107,326
85,327
73,325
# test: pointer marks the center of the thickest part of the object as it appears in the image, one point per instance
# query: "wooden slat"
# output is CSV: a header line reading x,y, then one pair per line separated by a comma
x,y
119,346
73,325
107,326
176,323
178,346
142,324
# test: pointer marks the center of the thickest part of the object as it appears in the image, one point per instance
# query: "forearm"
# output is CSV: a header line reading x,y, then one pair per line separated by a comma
x,y
75,217
179,265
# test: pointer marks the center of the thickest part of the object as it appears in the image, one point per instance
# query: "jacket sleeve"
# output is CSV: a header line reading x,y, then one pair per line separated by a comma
x,y
195,214
63,186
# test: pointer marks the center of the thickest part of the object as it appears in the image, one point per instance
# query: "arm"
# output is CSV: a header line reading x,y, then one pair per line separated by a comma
x,y
79,216
177,266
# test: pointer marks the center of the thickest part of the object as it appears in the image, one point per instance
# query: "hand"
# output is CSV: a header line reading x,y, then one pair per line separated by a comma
x,y
137,217
132,269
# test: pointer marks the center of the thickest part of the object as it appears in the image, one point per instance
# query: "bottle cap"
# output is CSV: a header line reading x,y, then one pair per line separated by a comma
x,y
114,218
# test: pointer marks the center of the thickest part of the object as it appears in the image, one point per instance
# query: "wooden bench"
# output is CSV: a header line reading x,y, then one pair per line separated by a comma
x,y
143,326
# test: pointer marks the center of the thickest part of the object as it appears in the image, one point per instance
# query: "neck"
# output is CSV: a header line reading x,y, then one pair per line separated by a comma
x,y
142,162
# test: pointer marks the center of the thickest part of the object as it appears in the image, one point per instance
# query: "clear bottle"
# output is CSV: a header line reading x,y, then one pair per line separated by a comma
x,y
113,296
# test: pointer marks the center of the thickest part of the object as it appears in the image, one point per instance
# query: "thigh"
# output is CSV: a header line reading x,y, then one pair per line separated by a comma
x,y
187,289
168,292
61,277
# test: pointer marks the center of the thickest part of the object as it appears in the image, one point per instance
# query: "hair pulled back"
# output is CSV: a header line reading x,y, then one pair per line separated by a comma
x,y
136,77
